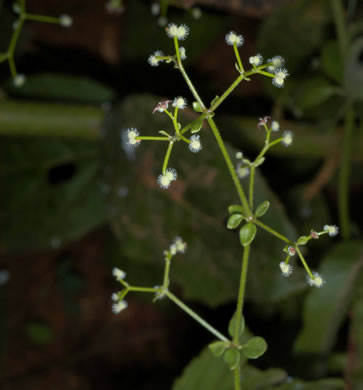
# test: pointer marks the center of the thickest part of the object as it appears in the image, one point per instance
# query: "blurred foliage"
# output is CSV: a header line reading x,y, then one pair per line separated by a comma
x,y
39,332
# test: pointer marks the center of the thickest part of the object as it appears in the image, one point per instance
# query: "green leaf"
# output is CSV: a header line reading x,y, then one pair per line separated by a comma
x,y
207,372
303,240
197,107
197,126
331,61
232,357
234,220
56,185
353,75
39,333
235,208
214,100
247,233
323,384
325,308
260,162
262,208
53,86
254,348
232,326
217,348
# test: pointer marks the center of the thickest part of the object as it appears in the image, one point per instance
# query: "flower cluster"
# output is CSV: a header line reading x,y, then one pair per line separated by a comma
x,y
161,12
119,303
164,180
177,246
178,32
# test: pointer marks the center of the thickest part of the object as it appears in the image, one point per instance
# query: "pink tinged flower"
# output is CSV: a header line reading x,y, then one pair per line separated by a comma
x,y
263,121
162,106
291,251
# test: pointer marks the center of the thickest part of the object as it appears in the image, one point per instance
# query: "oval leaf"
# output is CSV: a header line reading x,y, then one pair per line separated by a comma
x,y
196,107
303,240
197,125
232,325
254,348
232,357
262,208
235,208
234,220
217,348
247,233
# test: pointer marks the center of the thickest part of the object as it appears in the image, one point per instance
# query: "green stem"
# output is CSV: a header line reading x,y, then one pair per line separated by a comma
x,y
237,378
272,231
236,53
252,185
41,18
307,269
241,293
167,156
230,166
143,289
344,173
166,274
147,138
338,14
195,316
191,124
228,91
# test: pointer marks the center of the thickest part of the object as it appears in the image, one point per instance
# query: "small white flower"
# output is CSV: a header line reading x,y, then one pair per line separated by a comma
x,y
119,306
183,32
182,53
195,145
280,76
172,30
65,21
286,269
131,137
171,174
196,13
16,8
180,245
316,280
173,249
180,102
275,126
287,138
233,39
118,274
242,171
164,181
239,155
19,80
114,297
155,9
256,60
277,62
153,60
162,21
332,230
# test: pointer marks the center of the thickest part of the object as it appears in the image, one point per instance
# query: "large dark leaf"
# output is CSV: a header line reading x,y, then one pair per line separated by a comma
x,y
51,191
195,207
326,308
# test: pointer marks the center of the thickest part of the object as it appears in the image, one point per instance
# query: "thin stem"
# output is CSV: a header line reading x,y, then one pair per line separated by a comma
x,y
272,231
237,378
167,156
239,62
166,274
252,185
147,138
191,124
42,18
268,74
143,289
228,91
241,293
344,172
338,14
307,269
195,316
230,166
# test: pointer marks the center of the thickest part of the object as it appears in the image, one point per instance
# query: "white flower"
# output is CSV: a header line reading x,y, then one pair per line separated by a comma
x,y
233,39
131,137
164,181
287,138
239,155
182,53
195,144
180,245
114,297
183,32
155,9
180,102
153,60
275,126
172,30
332,230
118,274
65,21
173,249
242,171
19,80
256,60
171,174
291,251
286,269
316,280
119,306
277,62
196,13
280,76
162,21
